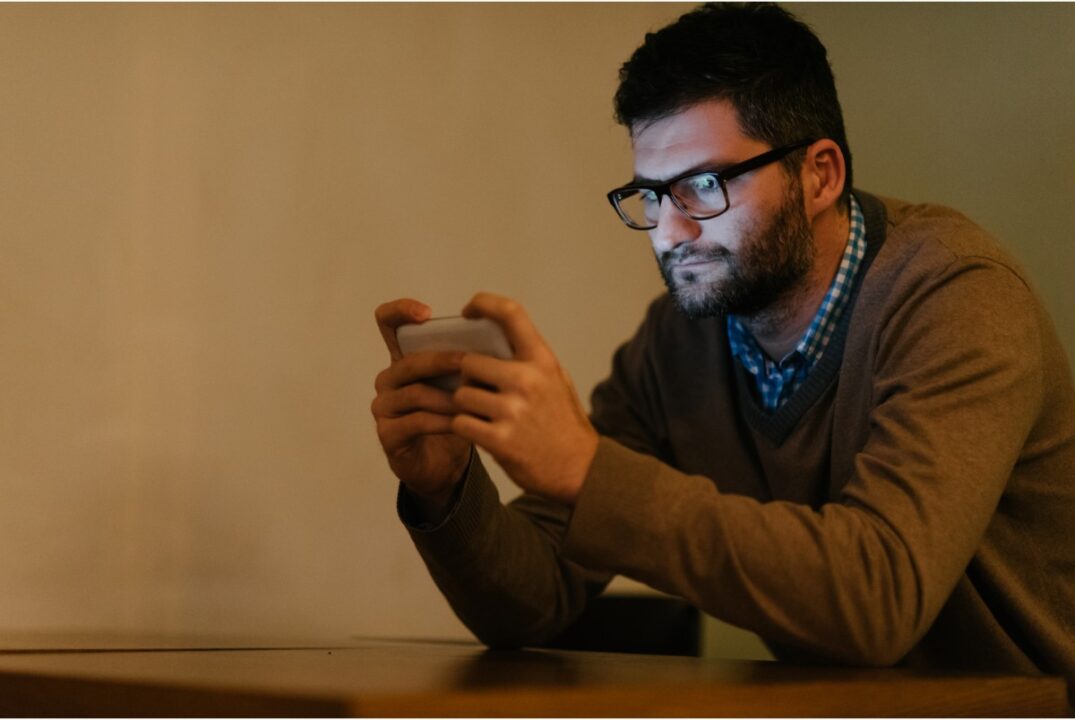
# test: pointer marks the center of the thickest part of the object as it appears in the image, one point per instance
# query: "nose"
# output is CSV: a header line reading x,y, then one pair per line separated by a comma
x,y
673,227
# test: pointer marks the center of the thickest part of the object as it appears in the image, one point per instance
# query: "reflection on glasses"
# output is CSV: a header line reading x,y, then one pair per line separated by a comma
x,y
698,195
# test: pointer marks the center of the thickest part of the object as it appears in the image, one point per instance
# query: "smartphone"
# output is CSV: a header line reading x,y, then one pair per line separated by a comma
x,y
477,335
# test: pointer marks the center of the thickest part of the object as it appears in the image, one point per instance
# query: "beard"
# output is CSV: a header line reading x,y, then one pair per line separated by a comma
x,y
774,261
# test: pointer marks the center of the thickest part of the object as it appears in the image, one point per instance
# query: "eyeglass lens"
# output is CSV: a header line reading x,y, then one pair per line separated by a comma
x,y
700,196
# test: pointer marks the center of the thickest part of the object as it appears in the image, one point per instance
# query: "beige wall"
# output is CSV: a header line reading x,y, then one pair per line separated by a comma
x,y
201,205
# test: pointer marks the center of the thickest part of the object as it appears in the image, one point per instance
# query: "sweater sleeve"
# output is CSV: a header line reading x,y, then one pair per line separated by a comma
x,y
956,385
500,567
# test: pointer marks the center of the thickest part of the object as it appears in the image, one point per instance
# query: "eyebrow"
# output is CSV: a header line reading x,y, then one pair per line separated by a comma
x,y
708,166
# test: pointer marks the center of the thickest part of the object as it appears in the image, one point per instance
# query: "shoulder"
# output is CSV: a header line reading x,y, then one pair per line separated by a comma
x,y
928,245
939,278
930,238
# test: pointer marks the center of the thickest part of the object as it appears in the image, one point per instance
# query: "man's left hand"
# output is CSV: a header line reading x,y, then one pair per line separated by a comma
x,y
529,417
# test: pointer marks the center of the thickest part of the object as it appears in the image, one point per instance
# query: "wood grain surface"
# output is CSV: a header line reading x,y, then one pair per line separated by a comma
x,y
383,678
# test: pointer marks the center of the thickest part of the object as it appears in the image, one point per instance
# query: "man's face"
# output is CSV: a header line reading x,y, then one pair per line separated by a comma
x,y
744,260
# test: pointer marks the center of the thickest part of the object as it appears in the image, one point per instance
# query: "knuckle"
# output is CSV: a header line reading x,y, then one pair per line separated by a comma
x,y
426,396
458,425
511,308
528,380
383,434
548,363
502,434
418,423
409,394
515,407
463,395
382,381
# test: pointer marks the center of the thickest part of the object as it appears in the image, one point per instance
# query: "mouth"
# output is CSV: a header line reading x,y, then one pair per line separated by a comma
x,y
697,263
689,257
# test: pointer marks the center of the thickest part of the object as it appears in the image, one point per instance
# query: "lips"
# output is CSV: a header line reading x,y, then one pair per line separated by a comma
x,y
681,265
694,256
697,263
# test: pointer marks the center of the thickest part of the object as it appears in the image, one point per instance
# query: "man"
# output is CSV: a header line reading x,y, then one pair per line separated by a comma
x,y
849,426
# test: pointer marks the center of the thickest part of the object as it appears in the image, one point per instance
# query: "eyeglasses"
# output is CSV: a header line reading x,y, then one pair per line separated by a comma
x,y
698,195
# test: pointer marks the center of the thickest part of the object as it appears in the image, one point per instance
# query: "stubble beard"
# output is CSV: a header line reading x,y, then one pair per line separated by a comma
x,y
774,263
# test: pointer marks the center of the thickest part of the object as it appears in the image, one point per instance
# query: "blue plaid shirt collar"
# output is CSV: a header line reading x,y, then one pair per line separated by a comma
x,y
776,381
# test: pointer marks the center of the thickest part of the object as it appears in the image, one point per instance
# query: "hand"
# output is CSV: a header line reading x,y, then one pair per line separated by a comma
x,y
414,419
531,420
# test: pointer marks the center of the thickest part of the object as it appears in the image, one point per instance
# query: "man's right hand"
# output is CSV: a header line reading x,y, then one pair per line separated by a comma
x,y
413,418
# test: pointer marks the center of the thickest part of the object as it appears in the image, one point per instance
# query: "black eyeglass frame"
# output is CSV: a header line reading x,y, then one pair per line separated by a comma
x,y
722,176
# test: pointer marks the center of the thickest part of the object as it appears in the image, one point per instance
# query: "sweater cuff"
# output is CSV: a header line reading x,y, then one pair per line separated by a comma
x,y
611,508
474,499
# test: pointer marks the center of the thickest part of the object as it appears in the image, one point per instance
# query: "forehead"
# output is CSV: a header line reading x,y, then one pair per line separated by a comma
x,y
707,132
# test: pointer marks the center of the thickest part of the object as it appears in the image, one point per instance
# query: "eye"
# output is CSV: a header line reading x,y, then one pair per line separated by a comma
x,y
648,197
705,183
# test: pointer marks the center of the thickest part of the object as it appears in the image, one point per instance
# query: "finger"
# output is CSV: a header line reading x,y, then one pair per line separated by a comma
x,y
416,397
391,315
487,370
396,433
417,367
484,403
483,433
513,318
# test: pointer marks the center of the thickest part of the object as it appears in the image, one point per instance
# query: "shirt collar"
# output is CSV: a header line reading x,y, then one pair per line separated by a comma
x,y
813,342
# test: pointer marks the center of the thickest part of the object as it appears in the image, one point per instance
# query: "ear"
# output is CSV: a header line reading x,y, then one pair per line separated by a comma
x,y
823,176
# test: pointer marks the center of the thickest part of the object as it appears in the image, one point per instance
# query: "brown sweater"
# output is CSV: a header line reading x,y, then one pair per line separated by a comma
x,y
913,500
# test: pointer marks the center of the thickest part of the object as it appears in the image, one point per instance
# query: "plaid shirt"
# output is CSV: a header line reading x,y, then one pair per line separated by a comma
x,y
776,381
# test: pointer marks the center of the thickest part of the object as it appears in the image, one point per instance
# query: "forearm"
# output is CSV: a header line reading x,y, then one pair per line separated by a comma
x,y
840,582
923,465
500,567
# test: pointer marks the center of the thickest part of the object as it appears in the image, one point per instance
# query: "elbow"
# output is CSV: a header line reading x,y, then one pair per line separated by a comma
x,y
881,654
495,633
882,639
496,641
889,608
853,648
501,631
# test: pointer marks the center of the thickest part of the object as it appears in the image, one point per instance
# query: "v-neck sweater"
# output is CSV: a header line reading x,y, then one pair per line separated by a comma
x,y
912,502
776,379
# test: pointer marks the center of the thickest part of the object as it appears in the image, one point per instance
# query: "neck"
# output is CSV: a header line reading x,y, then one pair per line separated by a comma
x,y
779,327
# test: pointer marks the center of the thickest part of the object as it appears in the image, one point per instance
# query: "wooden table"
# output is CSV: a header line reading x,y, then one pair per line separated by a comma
x,y
366,677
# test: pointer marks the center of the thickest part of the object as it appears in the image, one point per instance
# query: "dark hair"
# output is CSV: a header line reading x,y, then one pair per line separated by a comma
x,y
761,58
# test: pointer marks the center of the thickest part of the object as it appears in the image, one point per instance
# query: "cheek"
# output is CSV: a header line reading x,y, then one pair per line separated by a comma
x,y
729,231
